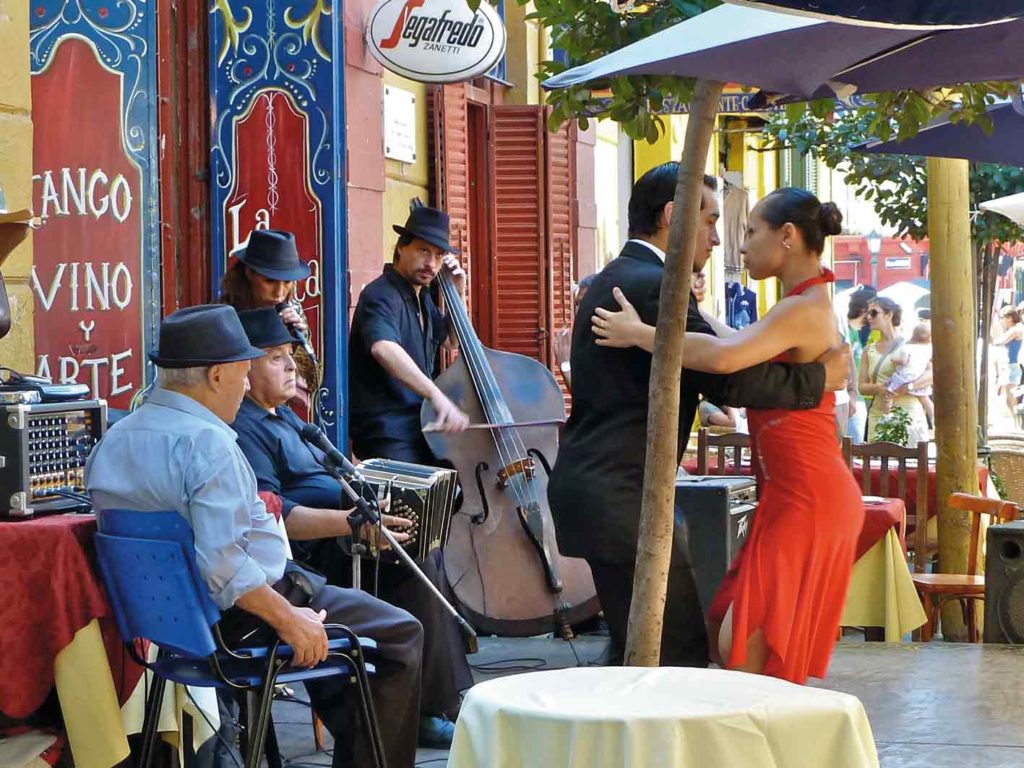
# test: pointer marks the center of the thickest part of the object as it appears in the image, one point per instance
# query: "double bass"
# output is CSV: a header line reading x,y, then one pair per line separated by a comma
x,y
501,558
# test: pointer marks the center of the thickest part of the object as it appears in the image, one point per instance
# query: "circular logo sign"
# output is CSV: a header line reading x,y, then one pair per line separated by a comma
x,y
435,41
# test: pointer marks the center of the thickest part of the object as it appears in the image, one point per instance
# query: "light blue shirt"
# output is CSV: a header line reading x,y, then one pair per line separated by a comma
x,y
174,453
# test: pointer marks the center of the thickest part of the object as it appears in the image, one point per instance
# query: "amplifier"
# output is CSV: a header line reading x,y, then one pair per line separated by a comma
x,y
716,512
43,448
425,495
1004,583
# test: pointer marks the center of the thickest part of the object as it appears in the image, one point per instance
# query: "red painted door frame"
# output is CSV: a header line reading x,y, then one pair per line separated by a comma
x,y
184,146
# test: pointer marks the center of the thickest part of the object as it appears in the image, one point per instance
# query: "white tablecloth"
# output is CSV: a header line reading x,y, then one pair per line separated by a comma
x,y
630,717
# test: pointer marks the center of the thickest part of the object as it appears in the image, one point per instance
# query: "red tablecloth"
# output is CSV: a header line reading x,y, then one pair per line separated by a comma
x,y
49,592
876,475
911,492
879,517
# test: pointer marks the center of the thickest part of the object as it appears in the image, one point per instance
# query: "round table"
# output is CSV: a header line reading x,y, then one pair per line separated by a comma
x,y
633,717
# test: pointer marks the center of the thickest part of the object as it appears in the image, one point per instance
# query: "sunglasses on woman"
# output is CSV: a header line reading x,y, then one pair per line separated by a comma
x,y
874,313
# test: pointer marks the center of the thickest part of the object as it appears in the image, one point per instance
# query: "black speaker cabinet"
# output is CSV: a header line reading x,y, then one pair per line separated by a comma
x,y
716,513
1004,583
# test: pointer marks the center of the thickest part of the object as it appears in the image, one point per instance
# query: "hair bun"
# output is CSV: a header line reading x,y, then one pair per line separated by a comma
x,y
830,218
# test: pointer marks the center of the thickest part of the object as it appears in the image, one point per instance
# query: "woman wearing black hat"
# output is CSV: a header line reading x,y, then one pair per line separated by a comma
x,y
264,275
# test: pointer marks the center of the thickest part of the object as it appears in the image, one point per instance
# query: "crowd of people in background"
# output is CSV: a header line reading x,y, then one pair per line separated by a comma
x,y
890,365
885,367
1008,333
890,368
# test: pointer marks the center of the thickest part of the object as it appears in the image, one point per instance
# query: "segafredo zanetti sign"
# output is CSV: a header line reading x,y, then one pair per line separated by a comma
x,y
435,41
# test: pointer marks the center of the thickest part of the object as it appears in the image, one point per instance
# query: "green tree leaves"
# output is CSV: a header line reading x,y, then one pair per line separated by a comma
x,y
897,185
583,30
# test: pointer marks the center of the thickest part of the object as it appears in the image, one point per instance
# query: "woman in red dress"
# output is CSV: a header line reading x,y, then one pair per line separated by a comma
x,y
777,611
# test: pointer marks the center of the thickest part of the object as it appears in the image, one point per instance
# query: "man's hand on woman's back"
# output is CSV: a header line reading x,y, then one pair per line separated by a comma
x,y
837,367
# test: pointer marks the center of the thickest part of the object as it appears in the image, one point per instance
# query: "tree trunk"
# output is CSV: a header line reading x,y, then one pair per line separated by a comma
x,y
654,547
956,407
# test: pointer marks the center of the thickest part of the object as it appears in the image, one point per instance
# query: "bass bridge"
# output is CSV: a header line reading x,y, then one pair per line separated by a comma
x,y
525,467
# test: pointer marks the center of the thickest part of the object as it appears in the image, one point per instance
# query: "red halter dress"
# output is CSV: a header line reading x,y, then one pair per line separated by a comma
x,y
791,577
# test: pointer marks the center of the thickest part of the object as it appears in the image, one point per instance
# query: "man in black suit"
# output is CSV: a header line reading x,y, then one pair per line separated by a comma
x,y
596,485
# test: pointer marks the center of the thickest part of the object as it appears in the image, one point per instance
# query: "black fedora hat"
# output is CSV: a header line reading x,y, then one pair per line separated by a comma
x,y
265,328
427,224
273,254
208,334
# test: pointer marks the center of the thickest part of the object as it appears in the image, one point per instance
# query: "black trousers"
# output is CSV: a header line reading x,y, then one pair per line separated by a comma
x,y
684,638
395,686
446,672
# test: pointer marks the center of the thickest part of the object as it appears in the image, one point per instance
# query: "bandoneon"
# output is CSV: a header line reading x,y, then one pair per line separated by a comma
x,y
425,495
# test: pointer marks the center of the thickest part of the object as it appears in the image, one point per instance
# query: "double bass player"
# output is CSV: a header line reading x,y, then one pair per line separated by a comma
x,y
397,332
500,559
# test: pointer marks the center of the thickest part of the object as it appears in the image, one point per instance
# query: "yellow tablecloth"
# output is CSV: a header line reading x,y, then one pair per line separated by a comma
x,y
630,717
97,729
882,593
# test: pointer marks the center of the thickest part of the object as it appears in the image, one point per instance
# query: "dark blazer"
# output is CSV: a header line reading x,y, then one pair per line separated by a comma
x,y
596,484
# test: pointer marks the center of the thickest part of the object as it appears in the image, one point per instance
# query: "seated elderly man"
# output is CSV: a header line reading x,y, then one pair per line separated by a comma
x,y
312,507
178,452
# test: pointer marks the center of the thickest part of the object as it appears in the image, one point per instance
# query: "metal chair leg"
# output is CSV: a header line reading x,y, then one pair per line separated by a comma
x,y
152,720
357,658
262,717
246,728
270,747
366,705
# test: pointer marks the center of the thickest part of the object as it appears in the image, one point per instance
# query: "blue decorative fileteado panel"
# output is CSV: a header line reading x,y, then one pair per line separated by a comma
x,y
277,148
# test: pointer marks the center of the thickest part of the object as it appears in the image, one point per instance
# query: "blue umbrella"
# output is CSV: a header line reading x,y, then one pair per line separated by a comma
x,y
807,57
946,12
1005,144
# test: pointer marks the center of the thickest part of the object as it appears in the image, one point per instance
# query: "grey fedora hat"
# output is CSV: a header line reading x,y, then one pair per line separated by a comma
x,y
207,334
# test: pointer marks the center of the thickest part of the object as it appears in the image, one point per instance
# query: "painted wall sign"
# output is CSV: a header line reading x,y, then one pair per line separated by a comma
x,y
399,124
270,192
94,279
277,149
435,41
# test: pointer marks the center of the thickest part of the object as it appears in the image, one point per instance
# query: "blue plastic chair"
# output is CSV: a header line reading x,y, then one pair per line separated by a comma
x,y
149,567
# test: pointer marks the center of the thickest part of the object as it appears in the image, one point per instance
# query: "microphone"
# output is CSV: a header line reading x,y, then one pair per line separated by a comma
x,y
297,332
313,435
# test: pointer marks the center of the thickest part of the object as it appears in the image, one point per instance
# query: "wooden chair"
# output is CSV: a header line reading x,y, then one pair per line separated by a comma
x,y
893,460
736,442
938,588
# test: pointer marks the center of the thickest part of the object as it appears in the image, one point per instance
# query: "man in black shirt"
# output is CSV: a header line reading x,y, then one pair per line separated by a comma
x,y
596,484
397,331
315,516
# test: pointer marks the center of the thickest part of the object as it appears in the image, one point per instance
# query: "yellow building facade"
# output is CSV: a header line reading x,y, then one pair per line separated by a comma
x,y
17,349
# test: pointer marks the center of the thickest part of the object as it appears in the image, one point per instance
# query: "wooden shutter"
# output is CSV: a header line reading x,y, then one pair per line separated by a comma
x,y
450,136
518,231
560,178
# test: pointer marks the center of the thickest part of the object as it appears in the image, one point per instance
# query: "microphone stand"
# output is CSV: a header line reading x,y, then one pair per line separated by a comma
x,y
369,513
